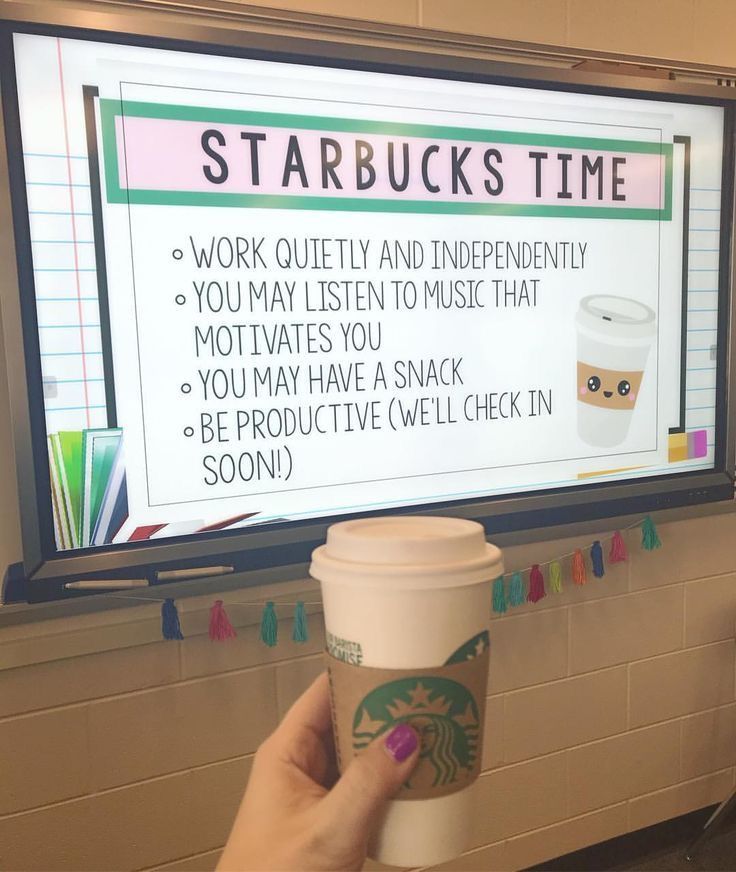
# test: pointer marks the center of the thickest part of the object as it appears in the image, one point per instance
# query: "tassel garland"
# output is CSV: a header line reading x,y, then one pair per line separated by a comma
x,y
536,585
269,625
220,626
618,552
499,596
555,577
516,590
649,537
578,567
596,558
300,632
516,594
170,627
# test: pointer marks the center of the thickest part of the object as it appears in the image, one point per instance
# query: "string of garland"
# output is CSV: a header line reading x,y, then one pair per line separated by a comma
x,y
517,595
220,628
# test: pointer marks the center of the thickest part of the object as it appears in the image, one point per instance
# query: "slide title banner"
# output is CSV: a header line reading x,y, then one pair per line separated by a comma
x,y
163,154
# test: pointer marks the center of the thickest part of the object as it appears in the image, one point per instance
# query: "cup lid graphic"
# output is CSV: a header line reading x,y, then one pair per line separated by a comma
x,y
411,551
619,320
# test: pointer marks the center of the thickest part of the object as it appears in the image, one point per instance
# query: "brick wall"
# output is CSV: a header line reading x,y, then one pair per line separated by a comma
x,y
611,706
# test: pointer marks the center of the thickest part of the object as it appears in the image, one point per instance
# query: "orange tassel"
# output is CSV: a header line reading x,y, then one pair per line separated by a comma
x,y
578,567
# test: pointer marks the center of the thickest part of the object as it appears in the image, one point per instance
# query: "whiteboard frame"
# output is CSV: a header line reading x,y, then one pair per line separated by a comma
x,y
290,543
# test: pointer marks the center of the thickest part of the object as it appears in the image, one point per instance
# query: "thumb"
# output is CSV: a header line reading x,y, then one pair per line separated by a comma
x,y
371,779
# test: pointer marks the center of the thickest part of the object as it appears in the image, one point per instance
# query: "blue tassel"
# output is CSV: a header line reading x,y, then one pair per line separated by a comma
x,y
269,625
300,632
499,596
516,590
596,558
170,627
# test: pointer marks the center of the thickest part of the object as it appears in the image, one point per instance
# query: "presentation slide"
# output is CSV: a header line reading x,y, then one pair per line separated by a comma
x,y
273,292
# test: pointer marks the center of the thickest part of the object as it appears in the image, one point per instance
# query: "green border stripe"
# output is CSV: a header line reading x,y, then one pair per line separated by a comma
x,y
115,194
110,151
138,109
354,204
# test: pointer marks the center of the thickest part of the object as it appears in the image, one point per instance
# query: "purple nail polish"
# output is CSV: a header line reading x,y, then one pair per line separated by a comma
x,y
401,742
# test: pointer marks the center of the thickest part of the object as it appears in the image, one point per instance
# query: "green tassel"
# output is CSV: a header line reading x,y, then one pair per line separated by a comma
x,y
300,632
269,626
555,577
499,596
649,538
516,590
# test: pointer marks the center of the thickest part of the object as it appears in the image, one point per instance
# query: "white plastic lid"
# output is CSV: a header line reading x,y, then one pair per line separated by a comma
x,y
616,318
406,551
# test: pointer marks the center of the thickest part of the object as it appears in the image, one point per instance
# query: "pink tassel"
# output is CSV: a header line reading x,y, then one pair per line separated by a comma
x,y
220,626
578,567
536,585
618,553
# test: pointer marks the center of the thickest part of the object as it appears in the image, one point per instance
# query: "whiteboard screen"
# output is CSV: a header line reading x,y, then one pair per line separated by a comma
x,y
267,291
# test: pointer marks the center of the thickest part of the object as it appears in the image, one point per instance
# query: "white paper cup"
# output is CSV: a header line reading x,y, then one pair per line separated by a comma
x,y
403,593
615,335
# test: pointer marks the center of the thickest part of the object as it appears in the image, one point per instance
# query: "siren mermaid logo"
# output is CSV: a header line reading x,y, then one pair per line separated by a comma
x,y
444,714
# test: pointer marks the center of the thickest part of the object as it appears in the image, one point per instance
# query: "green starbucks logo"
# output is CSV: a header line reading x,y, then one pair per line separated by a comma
x,y
444,714
474,647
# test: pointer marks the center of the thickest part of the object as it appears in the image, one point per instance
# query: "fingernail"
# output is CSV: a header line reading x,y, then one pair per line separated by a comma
x,y
401,742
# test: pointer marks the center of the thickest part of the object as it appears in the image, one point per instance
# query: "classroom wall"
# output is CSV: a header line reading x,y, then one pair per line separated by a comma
x,y
610,707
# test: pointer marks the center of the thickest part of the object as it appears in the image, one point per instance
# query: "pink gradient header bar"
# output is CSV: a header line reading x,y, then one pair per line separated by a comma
x,y
168,155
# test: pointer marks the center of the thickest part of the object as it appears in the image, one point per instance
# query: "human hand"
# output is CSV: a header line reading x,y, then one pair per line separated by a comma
x,y
292,817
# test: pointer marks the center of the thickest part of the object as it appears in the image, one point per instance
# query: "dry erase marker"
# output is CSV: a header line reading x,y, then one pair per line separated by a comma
x,y
106,584
195,572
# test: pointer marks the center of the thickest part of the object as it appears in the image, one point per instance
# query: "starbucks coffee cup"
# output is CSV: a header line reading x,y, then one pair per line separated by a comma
x,y
615,335
407,604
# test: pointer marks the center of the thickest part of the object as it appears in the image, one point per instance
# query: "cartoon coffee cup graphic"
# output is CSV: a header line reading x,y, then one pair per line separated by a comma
x,y
615,335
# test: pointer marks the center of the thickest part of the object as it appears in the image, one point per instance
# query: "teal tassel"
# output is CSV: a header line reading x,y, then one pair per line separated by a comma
x,y
649,538
269,625
499,596
300,632
170,627
516,590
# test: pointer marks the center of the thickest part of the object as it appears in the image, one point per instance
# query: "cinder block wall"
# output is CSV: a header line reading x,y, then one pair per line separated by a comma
x,y
610,707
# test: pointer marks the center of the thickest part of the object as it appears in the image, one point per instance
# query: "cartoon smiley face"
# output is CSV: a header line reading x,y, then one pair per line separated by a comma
x,y
608,388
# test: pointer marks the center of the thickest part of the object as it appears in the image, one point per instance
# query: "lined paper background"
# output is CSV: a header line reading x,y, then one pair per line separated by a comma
x,y
60,214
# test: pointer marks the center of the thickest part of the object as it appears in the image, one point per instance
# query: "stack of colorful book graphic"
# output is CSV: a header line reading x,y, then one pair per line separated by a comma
x,y
90,497
88,488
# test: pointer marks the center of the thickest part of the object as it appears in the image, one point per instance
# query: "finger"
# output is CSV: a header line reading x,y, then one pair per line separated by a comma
x,y
371,779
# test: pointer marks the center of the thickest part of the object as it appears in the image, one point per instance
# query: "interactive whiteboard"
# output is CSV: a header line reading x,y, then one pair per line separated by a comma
x,y
272,292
